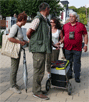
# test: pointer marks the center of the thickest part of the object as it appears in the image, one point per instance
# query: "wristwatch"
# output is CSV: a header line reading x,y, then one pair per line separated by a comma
x,y
85,44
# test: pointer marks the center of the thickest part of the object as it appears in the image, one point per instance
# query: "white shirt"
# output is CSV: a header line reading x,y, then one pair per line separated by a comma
x,y
13,31
55,37
34,24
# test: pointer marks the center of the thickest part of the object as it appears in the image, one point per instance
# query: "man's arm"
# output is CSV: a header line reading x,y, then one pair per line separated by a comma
x,y
33,26
85,38
29,32
85,42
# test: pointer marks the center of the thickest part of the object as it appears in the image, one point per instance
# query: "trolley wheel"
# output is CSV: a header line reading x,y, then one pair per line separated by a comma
x,y
48,84
69,88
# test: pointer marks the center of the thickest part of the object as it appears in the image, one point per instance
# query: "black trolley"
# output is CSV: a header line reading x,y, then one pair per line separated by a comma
x,y
59,78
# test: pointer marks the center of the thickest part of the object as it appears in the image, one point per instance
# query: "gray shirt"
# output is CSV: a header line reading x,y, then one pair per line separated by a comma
x,y
13,31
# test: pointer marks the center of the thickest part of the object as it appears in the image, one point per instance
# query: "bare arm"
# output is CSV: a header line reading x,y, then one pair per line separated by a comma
x,y
61,35
86,38
62,39
33,26
17,41
85,42
29,32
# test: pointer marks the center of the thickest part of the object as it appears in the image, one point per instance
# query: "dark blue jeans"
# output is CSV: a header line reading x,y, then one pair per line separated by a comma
x,y
74,57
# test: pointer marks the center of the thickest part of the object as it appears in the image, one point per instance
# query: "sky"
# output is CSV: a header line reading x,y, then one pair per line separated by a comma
x,y
78,3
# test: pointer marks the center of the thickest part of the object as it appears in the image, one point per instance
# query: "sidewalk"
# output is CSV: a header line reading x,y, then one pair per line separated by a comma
x,y
80,91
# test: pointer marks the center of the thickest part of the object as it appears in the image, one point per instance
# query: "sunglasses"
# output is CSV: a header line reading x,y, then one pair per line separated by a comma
x,y
52,22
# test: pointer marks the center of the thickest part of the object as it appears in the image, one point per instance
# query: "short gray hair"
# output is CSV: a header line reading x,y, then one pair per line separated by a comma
x,y
74,13
43,6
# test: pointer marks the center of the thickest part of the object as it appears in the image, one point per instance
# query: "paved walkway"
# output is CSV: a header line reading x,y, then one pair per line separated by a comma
x,y
80,91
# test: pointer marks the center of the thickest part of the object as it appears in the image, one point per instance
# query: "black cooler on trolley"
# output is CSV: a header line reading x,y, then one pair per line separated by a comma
x,y
59,72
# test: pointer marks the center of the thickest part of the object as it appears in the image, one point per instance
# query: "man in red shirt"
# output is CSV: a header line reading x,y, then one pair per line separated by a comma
x,y
73,33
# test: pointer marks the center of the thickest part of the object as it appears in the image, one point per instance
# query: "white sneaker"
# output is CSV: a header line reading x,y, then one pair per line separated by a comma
x,y
14,89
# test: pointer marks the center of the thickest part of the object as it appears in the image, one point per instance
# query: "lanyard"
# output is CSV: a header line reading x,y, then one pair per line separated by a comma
x,y
70,29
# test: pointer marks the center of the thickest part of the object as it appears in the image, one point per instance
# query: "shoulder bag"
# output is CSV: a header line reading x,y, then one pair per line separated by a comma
x,y
9,48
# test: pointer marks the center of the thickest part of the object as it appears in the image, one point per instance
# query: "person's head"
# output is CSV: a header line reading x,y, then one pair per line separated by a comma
x,y
44,7
22,17
73,17
55,23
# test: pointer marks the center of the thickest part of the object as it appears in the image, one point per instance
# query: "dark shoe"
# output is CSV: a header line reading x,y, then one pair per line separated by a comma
x,y
18,87
41,96
77,80
70,77
44,92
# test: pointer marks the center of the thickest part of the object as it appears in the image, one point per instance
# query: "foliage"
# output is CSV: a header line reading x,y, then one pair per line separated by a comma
x,y
80,10
73,7
9,7
83,18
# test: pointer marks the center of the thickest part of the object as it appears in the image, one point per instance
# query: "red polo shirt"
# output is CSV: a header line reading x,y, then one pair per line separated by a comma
x,y
76,43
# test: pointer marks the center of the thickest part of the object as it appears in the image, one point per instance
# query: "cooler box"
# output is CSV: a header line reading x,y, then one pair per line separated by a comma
x,y
59,70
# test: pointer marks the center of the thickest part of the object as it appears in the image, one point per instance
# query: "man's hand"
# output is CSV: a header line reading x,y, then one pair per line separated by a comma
x,y
86,42
85,48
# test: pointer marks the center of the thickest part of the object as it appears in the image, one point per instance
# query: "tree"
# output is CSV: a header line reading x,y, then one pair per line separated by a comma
x,y
81,10
31,6
83,18
9,7
73,8
24,5
88,10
